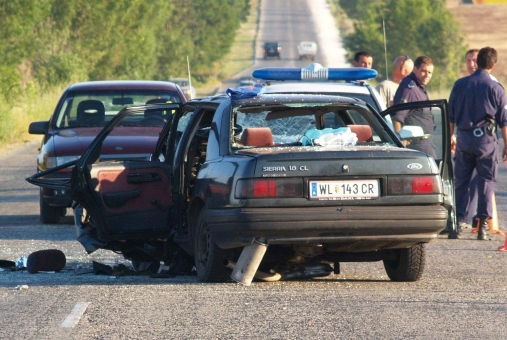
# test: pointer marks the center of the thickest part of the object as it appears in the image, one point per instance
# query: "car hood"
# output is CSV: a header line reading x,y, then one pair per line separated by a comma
x,y
122,140
332,161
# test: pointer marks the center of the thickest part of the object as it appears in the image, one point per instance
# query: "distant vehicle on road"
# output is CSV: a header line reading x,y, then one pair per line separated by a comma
x,y
307,50
272,49
81,113
184,84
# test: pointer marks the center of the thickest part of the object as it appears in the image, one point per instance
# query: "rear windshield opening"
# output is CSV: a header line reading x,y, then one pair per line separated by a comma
x,y
306,125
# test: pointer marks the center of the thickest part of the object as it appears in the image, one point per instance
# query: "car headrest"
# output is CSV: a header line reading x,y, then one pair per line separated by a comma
x,y
257,137
363,132
91,112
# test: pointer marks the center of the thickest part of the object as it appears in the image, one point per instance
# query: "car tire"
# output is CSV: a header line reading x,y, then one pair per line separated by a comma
x,y
208,256
409,264
48,213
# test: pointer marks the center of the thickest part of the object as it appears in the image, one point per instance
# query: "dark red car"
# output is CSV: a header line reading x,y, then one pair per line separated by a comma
x,y
81,113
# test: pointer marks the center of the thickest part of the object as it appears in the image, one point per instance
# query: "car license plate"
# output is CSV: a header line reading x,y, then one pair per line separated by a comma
x,y
344,190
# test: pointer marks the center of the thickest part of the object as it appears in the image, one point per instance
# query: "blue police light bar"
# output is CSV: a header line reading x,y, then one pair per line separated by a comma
x,y
314,72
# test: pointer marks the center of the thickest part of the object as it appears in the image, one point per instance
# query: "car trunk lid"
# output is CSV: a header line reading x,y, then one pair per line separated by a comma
x,y
331,162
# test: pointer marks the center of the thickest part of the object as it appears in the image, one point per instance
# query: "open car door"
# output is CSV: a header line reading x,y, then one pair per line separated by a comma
x,y
124,199
442,140
128,199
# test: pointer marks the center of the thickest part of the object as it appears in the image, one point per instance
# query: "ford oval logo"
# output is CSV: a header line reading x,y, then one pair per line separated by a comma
x,y
118,148
414,166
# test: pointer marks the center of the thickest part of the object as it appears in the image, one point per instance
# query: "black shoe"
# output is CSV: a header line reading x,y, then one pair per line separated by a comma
x,y
483,232
463,225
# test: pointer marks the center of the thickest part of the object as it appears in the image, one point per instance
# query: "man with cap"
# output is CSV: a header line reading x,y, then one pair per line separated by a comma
x,y
413,89
402,67
476,105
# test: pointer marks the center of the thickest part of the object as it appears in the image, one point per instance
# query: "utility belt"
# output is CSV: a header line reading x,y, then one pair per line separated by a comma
x,y
489,129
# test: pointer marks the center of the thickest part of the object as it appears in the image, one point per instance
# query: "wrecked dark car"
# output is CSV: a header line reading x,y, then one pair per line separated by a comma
x,y
268,186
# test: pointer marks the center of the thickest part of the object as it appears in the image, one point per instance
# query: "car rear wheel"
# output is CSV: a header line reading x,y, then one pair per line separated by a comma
x,y
409,264
50,214
208,256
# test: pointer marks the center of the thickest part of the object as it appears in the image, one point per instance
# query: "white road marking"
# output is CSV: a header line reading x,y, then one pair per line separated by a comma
x,y
75,315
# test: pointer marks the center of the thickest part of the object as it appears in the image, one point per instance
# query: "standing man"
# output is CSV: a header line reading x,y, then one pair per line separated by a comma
x,y
363,59
402,67
471,60
476,104
413,89
468,218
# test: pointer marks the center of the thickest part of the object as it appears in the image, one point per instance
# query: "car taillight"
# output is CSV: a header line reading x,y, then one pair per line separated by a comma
x,y
265,188
409,185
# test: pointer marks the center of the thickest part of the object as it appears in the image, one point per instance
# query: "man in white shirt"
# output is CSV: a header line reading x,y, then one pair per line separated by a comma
x,y
402,67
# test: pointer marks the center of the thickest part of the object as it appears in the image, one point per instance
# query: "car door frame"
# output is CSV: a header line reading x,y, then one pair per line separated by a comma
x,y
445,165
183,209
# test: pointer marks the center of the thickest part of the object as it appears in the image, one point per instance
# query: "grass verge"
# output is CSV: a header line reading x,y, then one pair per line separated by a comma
x,y
15,117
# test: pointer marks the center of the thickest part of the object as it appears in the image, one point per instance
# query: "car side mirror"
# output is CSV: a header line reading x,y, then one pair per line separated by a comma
x,y
38,128
411,132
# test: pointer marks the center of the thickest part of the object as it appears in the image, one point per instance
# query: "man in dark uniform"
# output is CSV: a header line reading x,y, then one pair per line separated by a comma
x,y
471,65
412,89
476,104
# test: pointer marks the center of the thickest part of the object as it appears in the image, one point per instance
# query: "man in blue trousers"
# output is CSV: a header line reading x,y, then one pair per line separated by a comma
x,y
478,104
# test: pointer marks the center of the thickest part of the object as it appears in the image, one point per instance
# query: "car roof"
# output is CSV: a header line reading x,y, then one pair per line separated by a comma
x,y
310,87
280,99
122,85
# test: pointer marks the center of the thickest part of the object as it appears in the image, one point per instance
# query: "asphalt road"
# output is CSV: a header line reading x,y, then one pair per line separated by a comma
x,y
303,20
462,294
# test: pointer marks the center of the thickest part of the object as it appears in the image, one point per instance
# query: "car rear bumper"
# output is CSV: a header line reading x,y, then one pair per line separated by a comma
x,y
358,228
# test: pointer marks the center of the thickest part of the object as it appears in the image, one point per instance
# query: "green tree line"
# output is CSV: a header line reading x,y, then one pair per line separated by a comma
x,y
412,27
48,43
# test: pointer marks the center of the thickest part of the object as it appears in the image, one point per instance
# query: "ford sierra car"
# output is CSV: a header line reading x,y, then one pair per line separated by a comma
x,y
313,180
